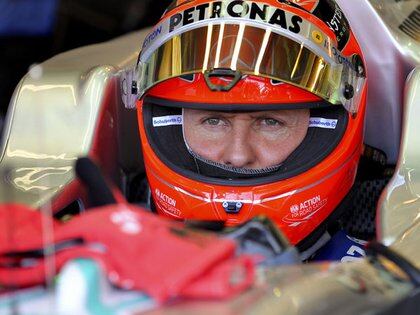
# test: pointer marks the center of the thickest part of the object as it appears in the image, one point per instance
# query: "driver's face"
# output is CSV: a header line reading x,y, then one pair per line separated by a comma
x,y
249,140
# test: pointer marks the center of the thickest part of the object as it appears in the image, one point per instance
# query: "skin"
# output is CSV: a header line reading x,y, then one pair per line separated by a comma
x,y
252,140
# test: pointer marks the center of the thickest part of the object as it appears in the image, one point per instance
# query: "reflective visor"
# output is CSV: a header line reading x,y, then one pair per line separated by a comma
x,y
290,49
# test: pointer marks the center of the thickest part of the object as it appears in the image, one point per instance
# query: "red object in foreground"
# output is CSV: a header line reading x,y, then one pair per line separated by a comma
x,y
137,249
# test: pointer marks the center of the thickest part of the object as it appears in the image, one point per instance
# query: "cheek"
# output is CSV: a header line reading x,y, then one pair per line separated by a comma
x,y
272,150
204,143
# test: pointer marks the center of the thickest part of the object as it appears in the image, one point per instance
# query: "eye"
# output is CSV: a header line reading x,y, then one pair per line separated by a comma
x,y
271,122
213,121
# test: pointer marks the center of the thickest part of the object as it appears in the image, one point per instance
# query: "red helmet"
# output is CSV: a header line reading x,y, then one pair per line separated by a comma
x,y
245,57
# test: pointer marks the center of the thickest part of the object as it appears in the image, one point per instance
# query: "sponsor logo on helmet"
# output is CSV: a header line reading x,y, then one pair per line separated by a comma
x,y
166,203
167,120
247,11
341,59
325,123
236,9
329,12
294,209
303,211
155,33
165,198
317,37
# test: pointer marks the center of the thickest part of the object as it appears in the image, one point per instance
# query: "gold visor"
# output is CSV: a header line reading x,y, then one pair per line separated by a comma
x,y
251,49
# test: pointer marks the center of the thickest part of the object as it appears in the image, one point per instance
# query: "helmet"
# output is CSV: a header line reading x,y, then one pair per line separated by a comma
x,y
240,57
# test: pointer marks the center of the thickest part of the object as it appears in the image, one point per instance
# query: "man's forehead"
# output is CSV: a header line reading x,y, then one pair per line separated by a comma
x,y
250,112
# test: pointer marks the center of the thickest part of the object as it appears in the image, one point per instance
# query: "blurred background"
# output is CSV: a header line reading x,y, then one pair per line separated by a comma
x,y
32,31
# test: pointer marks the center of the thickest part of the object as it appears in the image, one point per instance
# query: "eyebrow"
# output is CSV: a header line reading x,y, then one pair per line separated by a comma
x,y
252,112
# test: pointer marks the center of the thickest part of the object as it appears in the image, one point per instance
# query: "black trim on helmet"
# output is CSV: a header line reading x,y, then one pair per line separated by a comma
x,y
168,144
237,107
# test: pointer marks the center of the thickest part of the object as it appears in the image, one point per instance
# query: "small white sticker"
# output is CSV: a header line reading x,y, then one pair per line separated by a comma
x,y
167,120
323,122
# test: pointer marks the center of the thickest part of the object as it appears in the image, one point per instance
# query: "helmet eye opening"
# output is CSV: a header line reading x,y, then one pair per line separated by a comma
x,y
167,142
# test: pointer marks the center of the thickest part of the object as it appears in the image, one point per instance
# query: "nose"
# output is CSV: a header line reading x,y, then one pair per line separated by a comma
x,y
239,150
